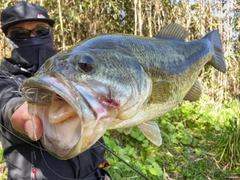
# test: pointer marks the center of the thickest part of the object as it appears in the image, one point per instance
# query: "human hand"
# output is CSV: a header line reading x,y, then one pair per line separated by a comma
x,y
22,121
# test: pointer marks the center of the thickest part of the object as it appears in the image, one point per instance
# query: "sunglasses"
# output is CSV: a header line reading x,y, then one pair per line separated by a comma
x,y
23,34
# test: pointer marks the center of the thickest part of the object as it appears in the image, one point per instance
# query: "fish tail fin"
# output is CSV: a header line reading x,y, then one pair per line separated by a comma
x,y
218,60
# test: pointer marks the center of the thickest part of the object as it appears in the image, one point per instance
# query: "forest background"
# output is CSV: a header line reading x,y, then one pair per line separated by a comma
x,y
201,140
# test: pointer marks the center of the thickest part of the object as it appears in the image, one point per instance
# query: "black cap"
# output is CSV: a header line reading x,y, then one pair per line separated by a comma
x,y
21,12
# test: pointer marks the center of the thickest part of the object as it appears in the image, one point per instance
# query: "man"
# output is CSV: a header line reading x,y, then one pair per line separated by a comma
x,y
28,29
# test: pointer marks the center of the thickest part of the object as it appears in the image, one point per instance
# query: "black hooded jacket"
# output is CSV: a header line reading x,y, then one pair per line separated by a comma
x,y
27,159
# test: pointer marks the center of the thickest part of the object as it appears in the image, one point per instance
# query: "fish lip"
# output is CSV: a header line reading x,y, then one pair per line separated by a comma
x,y
53,83
50,83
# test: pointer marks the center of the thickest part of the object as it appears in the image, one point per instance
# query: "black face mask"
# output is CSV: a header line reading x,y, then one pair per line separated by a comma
x,y
32,56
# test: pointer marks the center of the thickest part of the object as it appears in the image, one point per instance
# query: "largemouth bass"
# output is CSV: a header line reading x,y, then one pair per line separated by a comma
x,y
117,81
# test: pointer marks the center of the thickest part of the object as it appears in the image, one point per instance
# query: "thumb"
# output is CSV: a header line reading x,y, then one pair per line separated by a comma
x,y
26,123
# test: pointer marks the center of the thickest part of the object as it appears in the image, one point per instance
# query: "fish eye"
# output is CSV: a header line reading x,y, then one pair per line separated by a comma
x,y
85,63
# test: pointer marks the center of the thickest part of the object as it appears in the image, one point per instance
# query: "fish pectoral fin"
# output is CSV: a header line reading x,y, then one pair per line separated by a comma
x,y
127,130
161,92
195,92
173,30
151,131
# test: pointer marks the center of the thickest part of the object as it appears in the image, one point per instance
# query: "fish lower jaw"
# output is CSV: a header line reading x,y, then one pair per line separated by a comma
x,y
56,147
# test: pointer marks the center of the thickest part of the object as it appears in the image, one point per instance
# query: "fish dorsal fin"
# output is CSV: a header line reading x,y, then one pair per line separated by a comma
x,y
195,92
151,131
173,30
161,92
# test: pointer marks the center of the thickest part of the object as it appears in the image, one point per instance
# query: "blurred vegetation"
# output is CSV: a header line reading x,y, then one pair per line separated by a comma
x,y
198,143
201,139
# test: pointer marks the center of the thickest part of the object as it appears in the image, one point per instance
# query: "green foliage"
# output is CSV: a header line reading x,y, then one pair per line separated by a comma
x,y
2,160
3,177
228,142
191,135
144,161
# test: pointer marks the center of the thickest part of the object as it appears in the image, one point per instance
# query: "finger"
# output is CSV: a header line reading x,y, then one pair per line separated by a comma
x,y
25,123
19,117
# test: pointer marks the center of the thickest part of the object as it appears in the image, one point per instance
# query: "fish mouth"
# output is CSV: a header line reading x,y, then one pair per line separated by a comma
x,y
73,117
53,100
